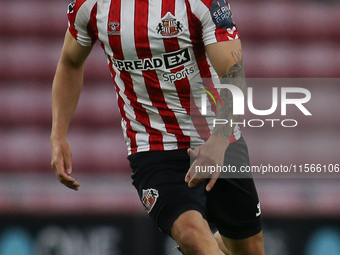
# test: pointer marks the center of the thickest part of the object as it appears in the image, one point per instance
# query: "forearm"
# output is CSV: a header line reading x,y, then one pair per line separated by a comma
x,y
235,76
213,150
66,90
67,85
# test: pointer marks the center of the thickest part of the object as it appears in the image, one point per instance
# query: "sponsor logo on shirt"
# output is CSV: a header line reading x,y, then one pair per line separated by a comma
x,y
175,59
172,77
221,14
169,26
168,61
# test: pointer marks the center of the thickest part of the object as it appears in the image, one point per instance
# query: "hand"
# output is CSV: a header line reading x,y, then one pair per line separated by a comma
x,y
62,165
209,154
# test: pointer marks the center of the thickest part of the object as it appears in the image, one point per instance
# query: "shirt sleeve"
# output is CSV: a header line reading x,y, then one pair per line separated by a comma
x,y
216,21
80,13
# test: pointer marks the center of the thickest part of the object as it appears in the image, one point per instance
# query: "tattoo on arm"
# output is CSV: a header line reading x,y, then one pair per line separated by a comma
x,y
234,76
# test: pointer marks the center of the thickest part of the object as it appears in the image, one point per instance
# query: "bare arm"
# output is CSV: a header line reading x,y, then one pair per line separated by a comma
x,y
67,85
226,58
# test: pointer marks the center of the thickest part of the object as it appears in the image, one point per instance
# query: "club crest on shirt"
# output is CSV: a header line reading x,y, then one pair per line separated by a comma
x,y
169,26
149,199
113,28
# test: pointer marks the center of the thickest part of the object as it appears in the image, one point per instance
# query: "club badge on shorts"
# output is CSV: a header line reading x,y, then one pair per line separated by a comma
x,y
149,199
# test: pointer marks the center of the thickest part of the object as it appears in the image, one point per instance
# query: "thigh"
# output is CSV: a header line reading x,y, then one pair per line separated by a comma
x,y
253,245
192,233
159,179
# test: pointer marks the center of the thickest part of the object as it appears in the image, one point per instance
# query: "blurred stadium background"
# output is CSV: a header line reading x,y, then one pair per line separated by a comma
x,y
39,216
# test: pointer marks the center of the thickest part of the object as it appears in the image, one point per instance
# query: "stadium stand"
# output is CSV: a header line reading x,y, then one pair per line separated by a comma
x,y
280,39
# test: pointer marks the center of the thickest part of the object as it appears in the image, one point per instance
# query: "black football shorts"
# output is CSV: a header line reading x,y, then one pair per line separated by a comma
x,y
232,205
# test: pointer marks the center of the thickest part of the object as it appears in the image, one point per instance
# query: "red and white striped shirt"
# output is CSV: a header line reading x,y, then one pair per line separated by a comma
x,y
155,52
